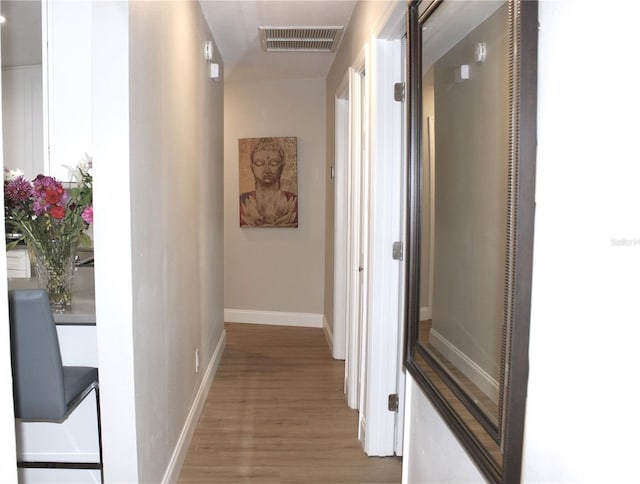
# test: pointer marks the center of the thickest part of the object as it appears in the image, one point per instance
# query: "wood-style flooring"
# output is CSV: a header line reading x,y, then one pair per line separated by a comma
x,y
276,413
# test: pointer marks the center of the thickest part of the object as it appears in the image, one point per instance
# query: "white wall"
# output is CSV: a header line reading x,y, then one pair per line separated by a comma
x,y
8,470
277,269
112,239
431,451
583,390
581,422
67,67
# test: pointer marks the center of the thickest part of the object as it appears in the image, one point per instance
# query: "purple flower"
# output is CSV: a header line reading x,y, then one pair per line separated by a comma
x,y
43,185
17,191
87,214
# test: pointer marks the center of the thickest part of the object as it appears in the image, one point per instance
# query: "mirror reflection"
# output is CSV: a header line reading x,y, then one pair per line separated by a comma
x,y
22,86
465,195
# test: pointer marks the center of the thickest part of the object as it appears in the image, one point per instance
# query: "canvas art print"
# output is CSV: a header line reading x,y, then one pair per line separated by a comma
x,y
268,182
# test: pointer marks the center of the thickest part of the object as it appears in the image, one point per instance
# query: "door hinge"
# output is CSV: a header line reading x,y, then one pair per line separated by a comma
x,y
393,402
398,92
398,251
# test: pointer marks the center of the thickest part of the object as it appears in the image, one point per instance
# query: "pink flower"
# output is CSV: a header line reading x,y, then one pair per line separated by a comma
x,y
87,214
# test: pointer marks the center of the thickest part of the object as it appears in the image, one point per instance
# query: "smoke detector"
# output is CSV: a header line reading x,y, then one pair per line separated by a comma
x,y
300,39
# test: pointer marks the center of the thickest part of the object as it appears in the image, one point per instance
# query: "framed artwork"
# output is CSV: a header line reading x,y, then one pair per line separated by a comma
x,y
268,182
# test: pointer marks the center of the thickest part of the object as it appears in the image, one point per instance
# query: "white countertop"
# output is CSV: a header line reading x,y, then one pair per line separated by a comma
x,y
83,303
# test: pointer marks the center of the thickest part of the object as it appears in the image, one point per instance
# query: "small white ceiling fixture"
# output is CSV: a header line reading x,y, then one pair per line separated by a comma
x,y
300,39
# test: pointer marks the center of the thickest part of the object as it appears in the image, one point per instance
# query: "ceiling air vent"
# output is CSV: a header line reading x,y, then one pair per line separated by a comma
x,y
300,39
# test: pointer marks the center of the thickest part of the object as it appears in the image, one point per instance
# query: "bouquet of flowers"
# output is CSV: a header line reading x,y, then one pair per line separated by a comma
x,y
52,221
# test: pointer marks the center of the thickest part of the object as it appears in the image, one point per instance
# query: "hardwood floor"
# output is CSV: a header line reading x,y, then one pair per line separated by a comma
x,y
276,413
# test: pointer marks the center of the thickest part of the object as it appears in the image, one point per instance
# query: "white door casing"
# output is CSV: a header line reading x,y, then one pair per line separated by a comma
x,y
8,467
352,360
340,267
363,267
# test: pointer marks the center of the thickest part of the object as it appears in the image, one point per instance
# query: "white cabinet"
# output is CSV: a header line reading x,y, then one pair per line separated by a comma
x,y
18,264
22,119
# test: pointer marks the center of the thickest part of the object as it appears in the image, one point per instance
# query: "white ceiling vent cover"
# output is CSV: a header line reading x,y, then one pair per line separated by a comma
x,y
300,39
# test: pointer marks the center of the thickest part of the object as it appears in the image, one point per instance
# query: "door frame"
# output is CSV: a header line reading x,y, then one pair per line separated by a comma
x,y
354,322
8,466
340,244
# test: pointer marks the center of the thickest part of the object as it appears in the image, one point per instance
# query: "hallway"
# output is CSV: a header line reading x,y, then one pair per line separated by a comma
x,y
276,413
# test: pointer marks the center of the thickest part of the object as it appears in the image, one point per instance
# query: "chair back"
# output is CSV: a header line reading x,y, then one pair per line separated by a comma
x,y
38,381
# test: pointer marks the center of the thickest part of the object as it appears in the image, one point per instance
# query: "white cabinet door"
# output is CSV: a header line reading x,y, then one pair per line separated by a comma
x,y
22,119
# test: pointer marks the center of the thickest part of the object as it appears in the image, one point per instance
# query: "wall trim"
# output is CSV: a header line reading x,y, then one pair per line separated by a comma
x,y
466,365
425,313
306,320
182,446
362,430
328,334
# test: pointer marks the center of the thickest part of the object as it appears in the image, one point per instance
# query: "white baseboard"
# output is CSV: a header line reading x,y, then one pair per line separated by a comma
x,y
328,334
425,313
182,446
480,378
362,431
306,320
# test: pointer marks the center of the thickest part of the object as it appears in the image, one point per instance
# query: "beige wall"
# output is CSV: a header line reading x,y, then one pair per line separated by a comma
x,y
471,196
277,269
177,220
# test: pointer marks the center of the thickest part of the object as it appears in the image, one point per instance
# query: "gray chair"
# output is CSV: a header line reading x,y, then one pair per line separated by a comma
x,y
43,389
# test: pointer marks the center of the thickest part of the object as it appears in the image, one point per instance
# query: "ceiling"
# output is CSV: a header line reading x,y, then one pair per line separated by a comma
x,y
22,33
234,25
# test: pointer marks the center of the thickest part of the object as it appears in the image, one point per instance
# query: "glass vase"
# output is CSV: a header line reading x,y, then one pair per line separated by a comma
x,y
54,266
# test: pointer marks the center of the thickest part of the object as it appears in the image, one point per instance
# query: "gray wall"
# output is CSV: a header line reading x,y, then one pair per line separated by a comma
x,y
177,219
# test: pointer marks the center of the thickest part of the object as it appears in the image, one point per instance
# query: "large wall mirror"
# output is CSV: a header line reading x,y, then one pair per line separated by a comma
x,y
23,108
46,85
472,105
